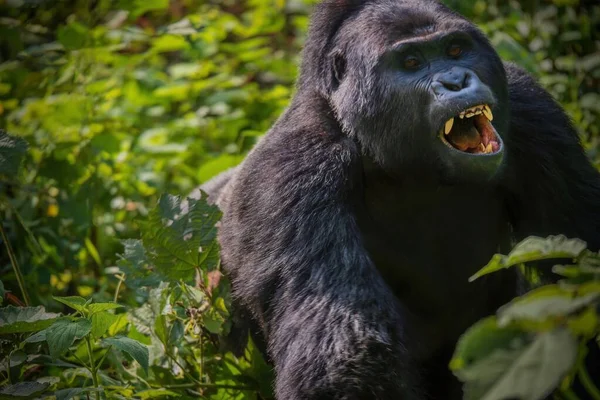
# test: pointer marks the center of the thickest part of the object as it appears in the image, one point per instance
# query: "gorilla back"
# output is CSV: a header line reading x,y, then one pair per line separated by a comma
x,y
409,155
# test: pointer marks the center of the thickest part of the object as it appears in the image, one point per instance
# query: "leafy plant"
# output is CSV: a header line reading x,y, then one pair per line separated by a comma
x,y
539,341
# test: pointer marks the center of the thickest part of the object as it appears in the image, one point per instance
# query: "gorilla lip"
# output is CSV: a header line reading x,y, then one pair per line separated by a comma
x,y
471,131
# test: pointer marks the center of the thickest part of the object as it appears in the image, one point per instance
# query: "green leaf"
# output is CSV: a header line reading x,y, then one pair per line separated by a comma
x,y
180,236
528,373
139,7
543,303
61,335
135,349
160,329
12,150
101,321
73,36
75,302
25,319
154,393
23,390
135,265
532,249
482,339
98,307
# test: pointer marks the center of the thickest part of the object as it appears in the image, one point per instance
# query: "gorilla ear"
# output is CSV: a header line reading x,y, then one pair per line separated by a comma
x,y
338,68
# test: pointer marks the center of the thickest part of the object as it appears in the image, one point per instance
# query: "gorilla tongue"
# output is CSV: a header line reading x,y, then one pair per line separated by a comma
x,y
473,135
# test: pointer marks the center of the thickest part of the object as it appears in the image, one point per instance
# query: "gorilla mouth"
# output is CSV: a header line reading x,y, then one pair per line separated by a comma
x,y
471,131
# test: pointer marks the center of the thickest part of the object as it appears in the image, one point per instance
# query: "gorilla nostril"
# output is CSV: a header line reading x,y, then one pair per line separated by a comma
x,y
452,86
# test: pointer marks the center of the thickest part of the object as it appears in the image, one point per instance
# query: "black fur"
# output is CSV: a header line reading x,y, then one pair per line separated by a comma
x,y
349,236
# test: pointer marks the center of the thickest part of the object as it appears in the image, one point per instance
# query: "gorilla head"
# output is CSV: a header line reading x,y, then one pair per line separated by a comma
x,y
418,86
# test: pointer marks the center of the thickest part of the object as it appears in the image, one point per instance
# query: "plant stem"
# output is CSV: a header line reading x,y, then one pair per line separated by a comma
x,y
121,278
587,383
15,265
93,369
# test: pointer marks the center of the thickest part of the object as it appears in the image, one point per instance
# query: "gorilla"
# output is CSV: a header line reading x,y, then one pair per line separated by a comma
x,y
409,155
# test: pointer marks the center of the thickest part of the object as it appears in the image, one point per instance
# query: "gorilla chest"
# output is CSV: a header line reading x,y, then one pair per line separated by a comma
x,y
427,243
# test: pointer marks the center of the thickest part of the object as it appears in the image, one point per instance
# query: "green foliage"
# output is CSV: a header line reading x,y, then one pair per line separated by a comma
x,y
537,342
112,103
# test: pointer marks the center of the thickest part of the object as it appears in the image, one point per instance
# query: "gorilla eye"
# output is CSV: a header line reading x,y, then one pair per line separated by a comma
x,y
454,50
411,62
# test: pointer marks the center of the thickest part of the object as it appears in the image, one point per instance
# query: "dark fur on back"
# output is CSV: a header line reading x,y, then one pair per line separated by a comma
x,y
349,252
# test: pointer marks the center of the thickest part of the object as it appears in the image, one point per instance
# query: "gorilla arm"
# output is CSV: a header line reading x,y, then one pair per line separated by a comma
x,y
554,189
294,254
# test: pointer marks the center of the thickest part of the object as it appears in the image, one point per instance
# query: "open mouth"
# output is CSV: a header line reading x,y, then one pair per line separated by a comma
x,y
471,131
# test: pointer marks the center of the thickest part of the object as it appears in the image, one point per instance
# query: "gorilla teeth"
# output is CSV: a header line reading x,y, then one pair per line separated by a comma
x,y
477,110
448,126
488,113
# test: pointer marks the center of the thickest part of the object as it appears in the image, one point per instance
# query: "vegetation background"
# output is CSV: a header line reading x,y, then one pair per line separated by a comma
x,y
119,102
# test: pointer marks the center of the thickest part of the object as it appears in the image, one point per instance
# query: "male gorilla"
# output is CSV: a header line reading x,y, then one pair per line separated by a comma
x,y
409,155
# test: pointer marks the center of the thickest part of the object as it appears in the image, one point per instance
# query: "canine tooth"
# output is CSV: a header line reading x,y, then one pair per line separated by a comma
x,y
448,126
488,148
482,147
488,113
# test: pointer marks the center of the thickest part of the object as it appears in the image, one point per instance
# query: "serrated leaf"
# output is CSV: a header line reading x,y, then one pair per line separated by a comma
x,y
61,335
534,248
77,303
101,321
135,265
529,373
25,319
180,237
135,349
23,390
12,150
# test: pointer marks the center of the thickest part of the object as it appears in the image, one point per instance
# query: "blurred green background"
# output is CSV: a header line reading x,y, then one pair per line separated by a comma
x,y
121,101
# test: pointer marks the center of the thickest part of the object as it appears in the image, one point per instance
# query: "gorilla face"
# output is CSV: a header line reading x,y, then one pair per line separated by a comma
x,y
422,94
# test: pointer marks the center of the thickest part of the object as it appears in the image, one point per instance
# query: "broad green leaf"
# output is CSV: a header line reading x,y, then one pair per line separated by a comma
x,y
101,321
97,307
155,393
25,319
37,337
180,237
528,373
135,265
77,303
484,338
61,335
135,349
23,390
12,150
532,249
543,303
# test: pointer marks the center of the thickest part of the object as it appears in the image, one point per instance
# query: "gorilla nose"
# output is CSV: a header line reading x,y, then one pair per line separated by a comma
x,y
454,80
